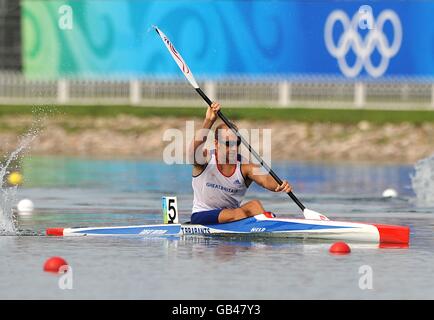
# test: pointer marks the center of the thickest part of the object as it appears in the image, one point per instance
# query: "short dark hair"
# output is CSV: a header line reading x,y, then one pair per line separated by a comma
x,y
221,126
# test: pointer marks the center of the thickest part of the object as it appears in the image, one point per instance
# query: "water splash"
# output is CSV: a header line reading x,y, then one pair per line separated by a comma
x,y
8,194
423,181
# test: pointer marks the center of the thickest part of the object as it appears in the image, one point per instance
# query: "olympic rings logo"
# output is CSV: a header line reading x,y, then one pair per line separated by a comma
x,y
363,48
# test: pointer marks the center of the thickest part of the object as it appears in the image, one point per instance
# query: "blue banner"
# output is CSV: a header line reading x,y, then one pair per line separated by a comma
x,y
221,38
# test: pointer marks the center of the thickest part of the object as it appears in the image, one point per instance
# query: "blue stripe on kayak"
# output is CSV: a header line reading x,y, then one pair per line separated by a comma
x,y
168,230
247,224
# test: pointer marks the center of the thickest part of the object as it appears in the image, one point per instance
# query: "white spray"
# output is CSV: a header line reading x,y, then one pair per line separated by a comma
x,y
8,194
423,181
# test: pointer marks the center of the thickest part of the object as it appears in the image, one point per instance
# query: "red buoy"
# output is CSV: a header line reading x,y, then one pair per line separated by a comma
x,y
53,264
340,248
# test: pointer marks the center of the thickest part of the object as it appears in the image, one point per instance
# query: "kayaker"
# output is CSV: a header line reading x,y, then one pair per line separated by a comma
x,y
220,180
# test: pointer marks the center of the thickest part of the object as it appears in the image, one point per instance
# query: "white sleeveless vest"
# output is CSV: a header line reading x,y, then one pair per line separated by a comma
x,y
213,190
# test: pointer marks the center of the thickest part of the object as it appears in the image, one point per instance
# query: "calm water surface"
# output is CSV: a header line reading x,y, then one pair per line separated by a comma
x,y
71,192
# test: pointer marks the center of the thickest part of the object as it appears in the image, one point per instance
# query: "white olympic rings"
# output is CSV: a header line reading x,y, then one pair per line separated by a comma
x,y
363,48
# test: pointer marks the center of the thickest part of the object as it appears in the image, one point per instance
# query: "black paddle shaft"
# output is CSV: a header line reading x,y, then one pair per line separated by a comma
x,y
249,147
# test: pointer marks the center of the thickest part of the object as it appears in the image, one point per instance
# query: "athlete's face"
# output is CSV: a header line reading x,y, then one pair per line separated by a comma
x,y
227,146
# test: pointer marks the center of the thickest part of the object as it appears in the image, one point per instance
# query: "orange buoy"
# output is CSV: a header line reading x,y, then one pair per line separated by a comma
x,y
53,264
340,248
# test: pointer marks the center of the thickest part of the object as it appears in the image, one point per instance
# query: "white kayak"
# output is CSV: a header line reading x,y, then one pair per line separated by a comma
x,y
260,226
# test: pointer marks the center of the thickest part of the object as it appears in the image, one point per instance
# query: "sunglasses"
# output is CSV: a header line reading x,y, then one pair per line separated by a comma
x,y
231,143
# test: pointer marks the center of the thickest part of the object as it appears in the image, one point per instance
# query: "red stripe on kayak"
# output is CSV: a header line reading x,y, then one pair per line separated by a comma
x,y
57,232
393,234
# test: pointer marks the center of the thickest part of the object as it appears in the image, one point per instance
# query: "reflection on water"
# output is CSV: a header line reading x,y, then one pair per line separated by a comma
x,y
139,175
78,192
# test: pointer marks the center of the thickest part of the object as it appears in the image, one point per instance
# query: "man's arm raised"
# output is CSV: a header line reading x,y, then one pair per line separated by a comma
x,y
197,153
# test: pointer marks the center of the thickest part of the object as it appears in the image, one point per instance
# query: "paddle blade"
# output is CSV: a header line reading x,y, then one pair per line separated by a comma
x,y
177,57
313,215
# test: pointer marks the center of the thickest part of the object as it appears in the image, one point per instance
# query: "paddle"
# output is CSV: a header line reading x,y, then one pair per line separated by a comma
x,y
308,214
